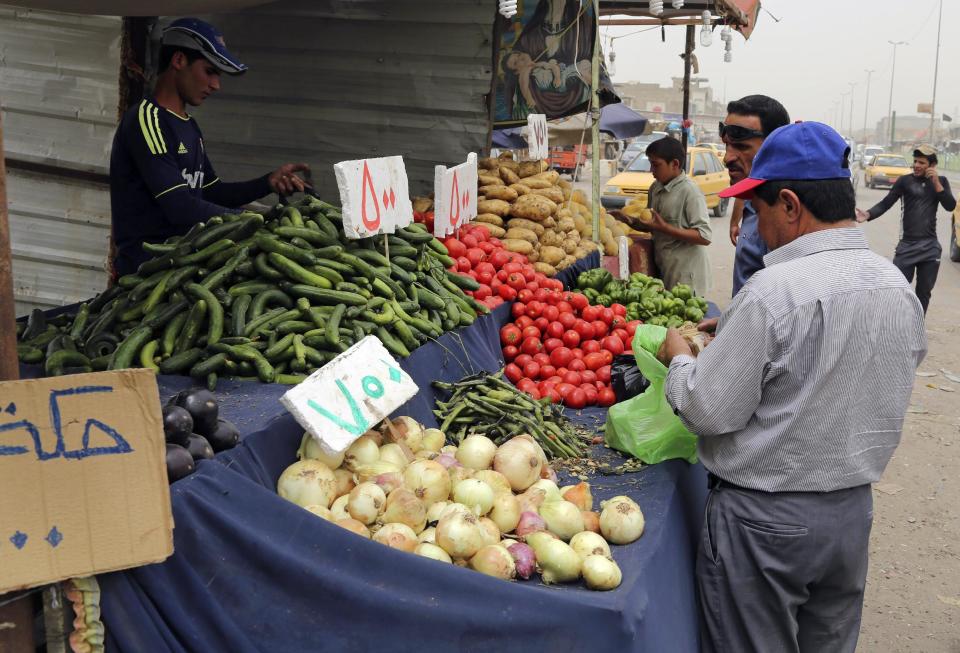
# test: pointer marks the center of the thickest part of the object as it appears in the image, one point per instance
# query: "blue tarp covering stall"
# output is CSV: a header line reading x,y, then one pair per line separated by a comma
x,y
618,120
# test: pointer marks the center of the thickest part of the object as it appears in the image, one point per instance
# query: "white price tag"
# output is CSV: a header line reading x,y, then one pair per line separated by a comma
x,y
375,196
346,397
537,135
623,251
455,196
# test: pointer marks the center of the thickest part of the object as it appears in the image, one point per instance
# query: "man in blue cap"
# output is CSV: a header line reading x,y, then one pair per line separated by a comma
x,y
798,404
161,181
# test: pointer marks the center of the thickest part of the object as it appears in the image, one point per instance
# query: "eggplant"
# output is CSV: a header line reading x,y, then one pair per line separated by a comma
x,y
179,462
177,425
225,436
199,447
202,406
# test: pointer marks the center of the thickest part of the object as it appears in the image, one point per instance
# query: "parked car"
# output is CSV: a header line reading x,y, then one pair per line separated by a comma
x,y
869,152
703,166
885,169
566,159
636,147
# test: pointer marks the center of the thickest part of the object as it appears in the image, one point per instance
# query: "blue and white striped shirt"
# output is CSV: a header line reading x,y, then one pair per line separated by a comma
x,y
806,384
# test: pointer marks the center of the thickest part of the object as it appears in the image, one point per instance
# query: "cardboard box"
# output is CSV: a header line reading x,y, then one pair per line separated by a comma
x,y
83,480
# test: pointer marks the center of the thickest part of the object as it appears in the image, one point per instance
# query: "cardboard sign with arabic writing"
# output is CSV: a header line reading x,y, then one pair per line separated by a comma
x,y
537,135
375,196
455,196
83,477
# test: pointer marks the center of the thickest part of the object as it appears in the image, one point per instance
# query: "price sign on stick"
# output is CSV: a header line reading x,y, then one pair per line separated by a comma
x,y
375,196
537,135
346,397
455,196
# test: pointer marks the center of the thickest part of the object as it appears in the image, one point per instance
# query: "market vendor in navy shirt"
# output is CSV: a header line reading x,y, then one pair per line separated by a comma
x,y
161,181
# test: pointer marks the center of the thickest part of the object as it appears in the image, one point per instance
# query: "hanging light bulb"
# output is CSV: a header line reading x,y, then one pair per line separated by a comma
x,y
508,8
726,34
728,51
677,4
612,68
656,7
706,35
727,57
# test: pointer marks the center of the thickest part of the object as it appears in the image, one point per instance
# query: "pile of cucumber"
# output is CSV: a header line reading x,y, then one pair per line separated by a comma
x,y
270,297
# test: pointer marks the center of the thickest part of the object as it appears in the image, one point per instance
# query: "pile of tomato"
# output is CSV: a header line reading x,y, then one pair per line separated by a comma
x,y
501,274
559,346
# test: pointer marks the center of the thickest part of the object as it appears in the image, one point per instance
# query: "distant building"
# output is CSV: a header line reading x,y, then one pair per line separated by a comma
x,y
666,102
908,129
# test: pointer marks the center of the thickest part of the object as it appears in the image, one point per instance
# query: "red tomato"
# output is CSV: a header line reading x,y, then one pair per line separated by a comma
x,y
482,292
513,372
552,313
502,276
470,240
532,370
632,327
570,338
529,332
554,395
573,378
546,371
524,296
579,301
590,313
585,330
475,255
606,397
613,344
542,357
542,323
541,294
513,266
607,357
531,346
590,346
518,309
534,308
577,365
555,329
485,267
567,320
495,285
526,385
499,258
565,389
564,307
463,265
619,309
600,328
522,359
455,247
532,286
618,322
594,361
510,352
485,277
607,315
515,281
577,353
603,374
577,398
529,274
488,248
480,234
623,335
552,343
510,334
507,293
561,357
591,392
524,321
588,376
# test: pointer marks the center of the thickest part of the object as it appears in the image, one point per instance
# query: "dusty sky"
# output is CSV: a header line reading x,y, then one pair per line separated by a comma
x,y
807,58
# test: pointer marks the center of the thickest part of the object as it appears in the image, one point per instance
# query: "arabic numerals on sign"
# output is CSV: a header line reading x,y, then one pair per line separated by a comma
x,y
375,196
455,196
537,135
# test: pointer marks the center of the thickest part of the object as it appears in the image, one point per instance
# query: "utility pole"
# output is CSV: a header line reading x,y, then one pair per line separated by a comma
x,y
843,109
936,69
852,85
893,71
866,104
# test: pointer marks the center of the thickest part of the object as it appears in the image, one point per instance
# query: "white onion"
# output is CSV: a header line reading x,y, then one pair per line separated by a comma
x,y
354,526
428,480
374,435
403,429
505,512
587,544
494,560
432,551
404,507
563,518
397,536
550,490
453,507
320,511
338,510
394,453
537,539
428,535
616,499
435,512
432,440
591,521
476,452
495,480
308,482
579,495
459,534
601,573
558,562
450,449
388,482
491,533
363,451
532,499
474,494
366,502
459,473
310,448
426,454
519,461
345,481
369,471
621,521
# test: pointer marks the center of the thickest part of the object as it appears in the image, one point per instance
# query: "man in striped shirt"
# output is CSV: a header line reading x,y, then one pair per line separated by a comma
x,y
798,404
161,181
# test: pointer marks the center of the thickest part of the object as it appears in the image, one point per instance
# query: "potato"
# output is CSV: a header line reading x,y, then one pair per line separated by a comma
x,y
506,160
520,223
567,192
552,193
498,193
574,235
508,175
550,238
533,182
580,252
551,255
489,179
530,168
532,207
422,204
579,197
545,268
569,246
563,183
588,245
568,261
522,189
533,256
488,163
522,234
490,218
549,223
579,223
518,246
565,223
549,175
497,207
492,229
610,248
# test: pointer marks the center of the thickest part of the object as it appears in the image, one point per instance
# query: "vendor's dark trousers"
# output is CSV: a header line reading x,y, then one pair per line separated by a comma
x,y
926,277
783,572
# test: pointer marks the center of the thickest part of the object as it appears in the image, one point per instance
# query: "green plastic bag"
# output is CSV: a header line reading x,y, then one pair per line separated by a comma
x,y
645,426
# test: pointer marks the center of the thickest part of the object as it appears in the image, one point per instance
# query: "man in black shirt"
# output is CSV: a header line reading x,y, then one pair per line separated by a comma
x,y
919,249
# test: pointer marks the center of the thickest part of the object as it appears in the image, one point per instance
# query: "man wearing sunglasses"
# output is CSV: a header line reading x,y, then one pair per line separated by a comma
x,y
161,181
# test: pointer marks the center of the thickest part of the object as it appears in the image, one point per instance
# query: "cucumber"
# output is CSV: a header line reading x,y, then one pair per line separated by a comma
x,y
297,272
318,238
217,279
130,347
325,296
272,296
202,255
393,345
264,270
56,364
275,246
147,355
250,288
214,308
329,274
181,361
191,328
238,316
204,368
332,328
80,321
462,281
407,264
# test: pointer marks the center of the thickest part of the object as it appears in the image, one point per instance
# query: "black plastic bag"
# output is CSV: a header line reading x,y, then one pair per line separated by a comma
x,y
625,379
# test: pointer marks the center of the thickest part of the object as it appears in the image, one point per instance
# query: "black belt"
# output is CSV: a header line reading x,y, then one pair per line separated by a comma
x,y
714,482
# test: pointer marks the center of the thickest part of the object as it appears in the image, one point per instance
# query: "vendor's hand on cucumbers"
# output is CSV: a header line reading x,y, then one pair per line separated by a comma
x,y
673,345
284,180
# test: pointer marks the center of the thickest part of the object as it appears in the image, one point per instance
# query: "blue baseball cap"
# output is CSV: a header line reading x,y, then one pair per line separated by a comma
x,y
803,150
195,34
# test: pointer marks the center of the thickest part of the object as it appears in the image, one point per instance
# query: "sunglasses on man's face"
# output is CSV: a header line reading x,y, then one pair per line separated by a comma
x,y
738,133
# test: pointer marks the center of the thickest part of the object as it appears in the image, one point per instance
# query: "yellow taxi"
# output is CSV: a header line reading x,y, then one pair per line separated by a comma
x,y
633,184
884,169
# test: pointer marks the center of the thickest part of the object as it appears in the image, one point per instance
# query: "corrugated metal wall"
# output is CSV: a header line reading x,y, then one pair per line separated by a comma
x,y
333,80
58,93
